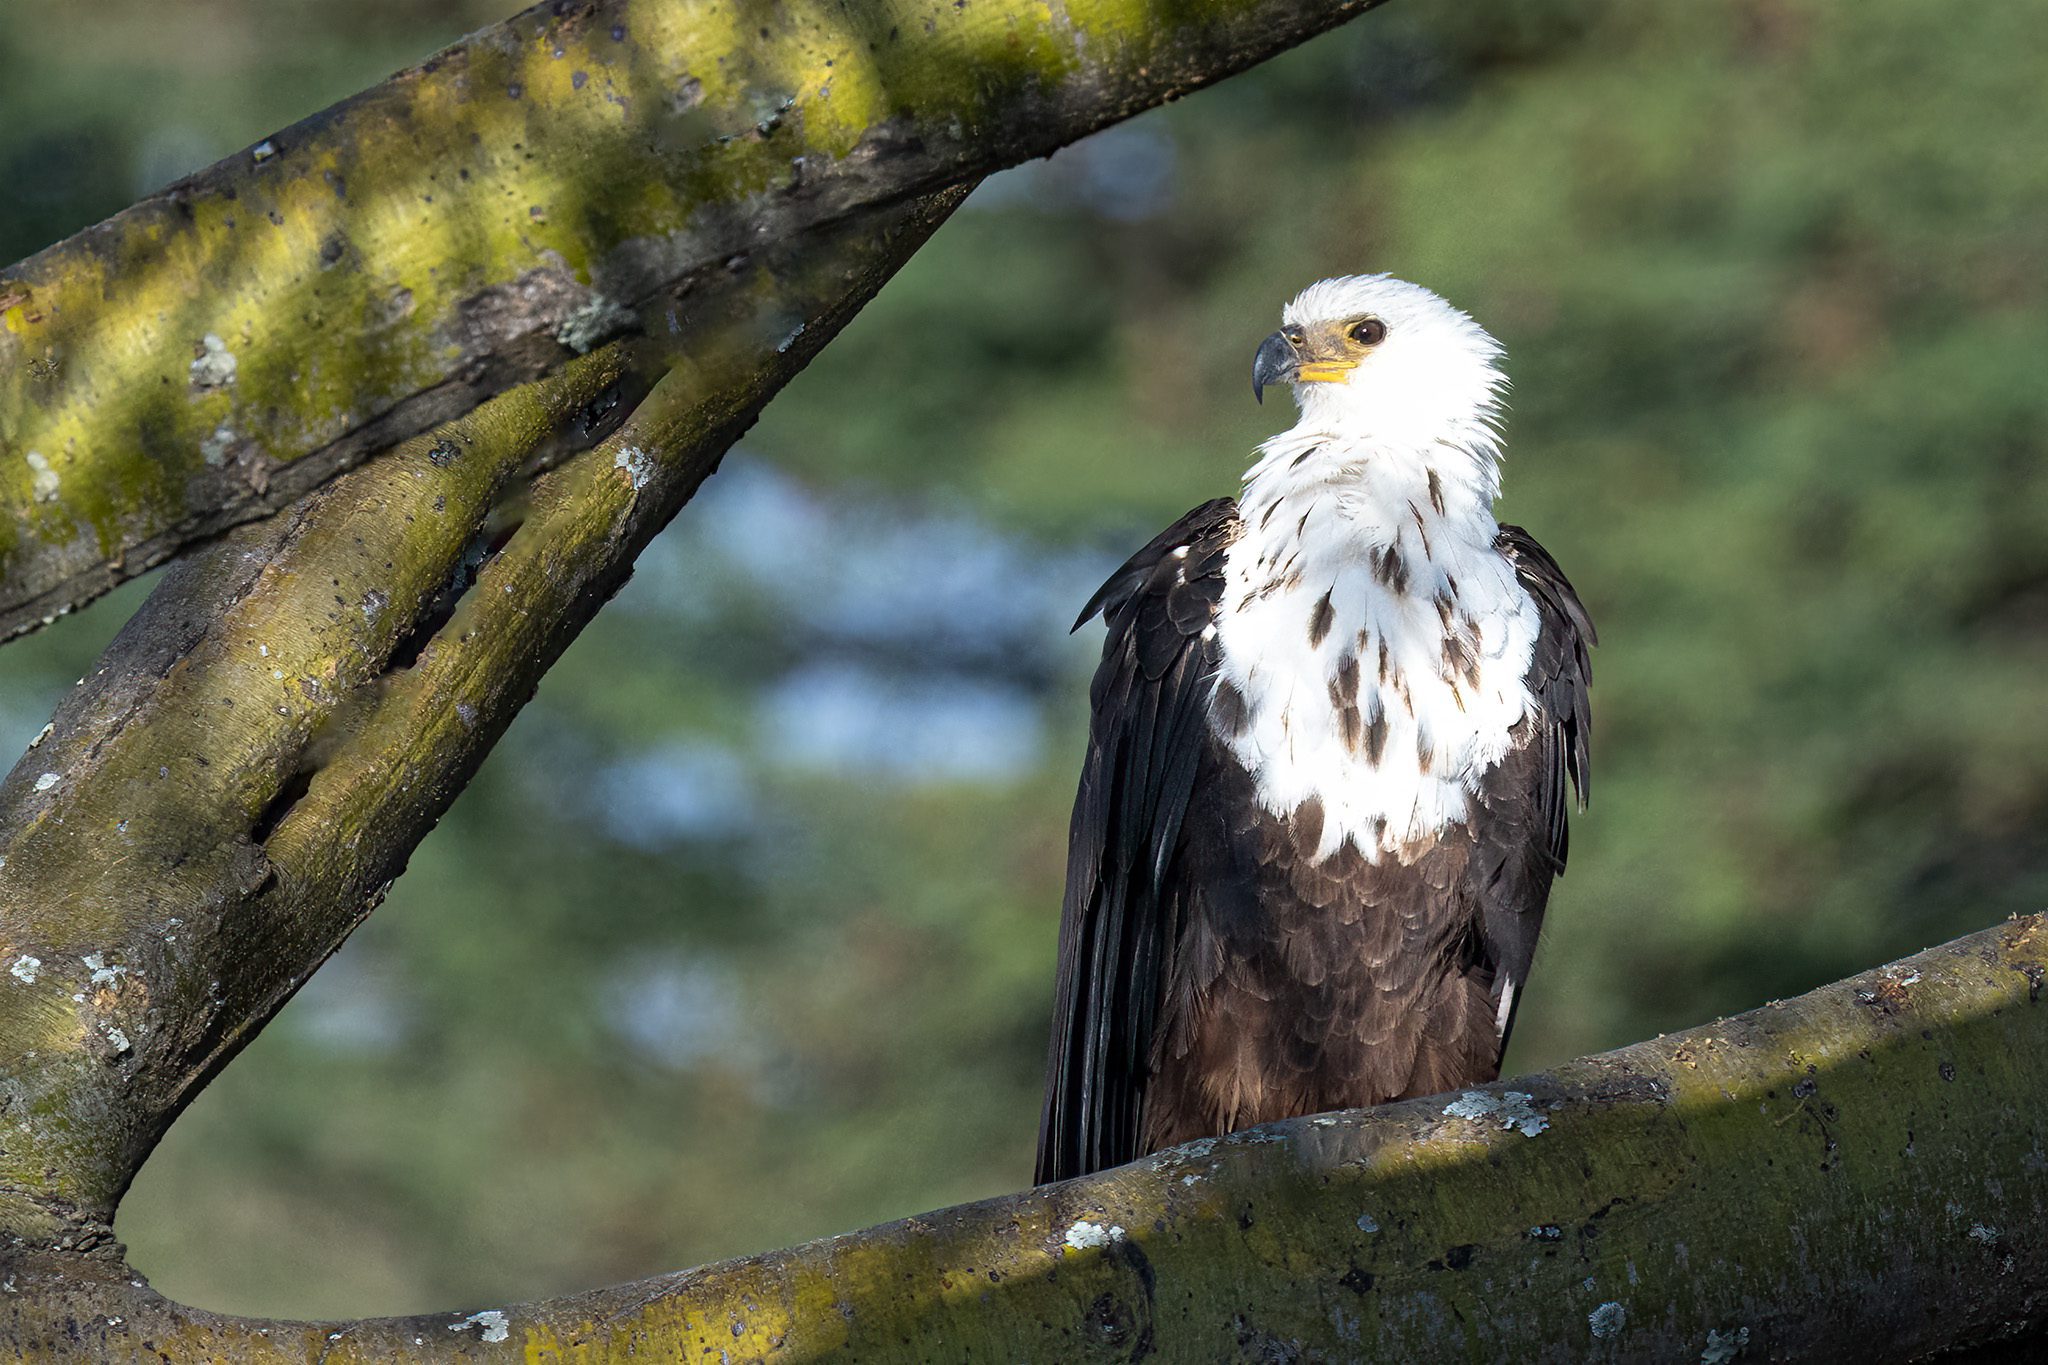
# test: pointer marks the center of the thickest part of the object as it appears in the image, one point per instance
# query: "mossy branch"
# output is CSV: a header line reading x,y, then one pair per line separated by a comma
x,y
1858,1174
222,347
258,753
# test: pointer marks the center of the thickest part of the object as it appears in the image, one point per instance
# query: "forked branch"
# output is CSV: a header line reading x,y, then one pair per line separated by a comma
x,y
261,749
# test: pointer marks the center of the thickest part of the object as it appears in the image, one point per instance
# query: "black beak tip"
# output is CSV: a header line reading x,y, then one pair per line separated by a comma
x,y
1275,363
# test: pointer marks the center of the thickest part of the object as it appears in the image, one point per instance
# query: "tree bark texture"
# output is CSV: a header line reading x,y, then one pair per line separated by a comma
x,y
1857,1174
257,754
552,183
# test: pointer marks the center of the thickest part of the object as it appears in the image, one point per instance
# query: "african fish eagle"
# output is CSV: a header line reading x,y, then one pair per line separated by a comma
x,y
1324,794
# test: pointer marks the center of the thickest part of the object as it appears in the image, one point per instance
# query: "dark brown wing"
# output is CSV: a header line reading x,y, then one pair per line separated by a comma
x,y
1524,836
1149,702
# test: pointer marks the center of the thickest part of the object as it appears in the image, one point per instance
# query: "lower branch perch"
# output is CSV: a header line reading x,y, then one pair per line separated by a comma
x,y
1861,1173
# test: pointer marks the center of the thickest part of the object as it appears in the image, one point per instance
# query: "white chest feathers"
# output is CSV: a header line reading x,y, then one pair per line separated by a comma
x,y
1374,647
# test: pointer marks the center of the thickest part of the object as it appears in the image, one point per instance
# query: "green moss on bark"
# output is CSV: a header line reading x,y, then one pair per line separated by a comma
x,y
245,770
227,344
1854,1174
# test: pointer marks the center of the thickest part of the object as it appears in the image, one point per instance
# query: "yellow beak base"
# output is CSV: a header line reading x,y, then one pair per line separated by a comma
x,y
1324,372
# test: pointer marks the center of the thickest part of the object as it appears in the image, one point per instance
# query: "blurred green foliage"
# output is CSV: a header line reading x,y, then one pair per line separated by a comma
x,y
745,934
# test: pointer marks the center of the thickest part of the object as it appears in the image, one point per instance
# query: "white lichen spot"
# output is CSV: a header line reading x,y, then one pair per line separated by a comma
x,y
1473,1104
1512,1109
263,650
102,974
214,367
1723,1347
1368,1223
25,968
117,1039
491,1321
1085,1236
42,735
374,602
47,781
637,463
1191,1180
782,346
1980,1233
1607,1320
214,449
42,478
263,150
597,320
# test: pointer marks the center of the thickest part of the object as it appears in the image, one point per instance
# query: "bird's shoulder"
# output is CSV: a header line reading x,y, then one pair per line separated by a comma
x,y
1201,537
1560,668
1540,574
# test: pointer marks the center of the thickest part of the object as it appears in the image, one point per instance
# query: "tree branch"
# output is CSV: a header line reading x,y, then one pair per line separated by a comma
x,y
222,347
1858,1174
259,751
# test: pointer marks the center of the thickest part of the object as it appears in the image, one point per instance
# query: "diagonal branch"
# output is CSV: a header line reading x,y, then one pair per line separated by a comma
x,y
556,181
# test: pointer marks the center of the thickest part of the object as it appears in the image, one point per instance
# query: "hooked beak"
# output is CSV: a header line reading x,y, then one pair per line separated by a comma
x,y
1277,362
1294,356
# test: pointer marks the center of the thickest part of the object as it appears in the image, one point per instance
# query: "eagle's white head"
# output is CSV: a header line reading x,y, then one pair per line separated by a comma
x,y
1378,360
1367,559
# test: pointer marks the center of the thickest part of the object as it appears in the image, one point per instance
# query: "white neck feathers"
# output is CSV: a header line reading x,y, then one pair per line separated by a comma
x,y
1377,639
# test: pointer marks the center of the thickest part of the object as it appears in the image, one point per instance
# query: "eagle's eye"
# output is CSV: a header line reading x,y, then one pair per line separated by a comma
x,y
1369,331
